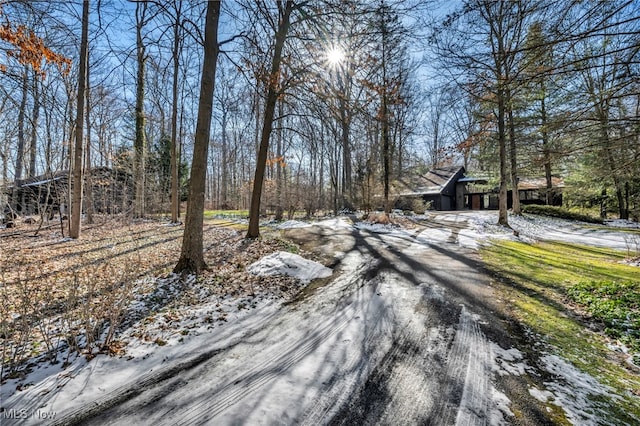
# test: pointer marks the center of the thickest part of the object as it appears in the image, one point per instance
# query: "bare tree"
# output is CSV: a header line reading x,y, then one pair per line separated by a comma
x,y
192,256
284,12
140,144
76,204
175,159
478,45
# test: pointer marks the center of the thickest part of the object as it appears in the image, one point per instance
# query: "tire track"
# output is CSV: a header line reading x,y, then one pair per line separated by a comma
x,y
426,365
399,387
281,361
465,397
258,376
356,368
132,400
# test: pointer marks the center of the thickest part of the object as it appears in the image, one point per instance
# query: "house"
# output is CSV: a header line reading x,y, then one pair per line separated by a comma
x,y
534,191
447,188
444,188
49,193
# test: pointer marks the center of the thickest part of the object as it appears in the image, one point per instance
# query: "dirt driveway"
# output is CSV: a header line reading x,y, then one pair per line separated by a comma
x,y
407,332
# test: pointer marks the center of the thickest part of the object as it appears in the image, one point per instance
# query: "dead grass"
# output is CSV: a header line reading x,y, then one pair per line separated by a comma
x,y
378,217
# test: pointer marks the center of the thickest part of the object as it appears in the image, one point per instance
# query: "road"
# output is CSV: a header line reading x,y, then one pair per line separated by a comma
x,y
407,332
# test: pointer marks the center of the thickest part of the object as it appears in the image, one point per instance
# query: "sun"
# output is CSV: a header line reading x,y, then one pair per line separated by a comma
x,y
335,56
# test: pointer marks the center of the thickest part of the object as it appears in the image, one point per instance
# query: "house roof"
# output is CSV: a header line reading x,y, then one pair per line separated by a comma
x,y
40,180
60,176
432,183
539,183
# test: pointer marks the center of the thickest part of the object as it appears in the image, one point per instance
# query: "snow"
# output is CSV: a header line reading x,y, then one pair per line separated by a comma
x,y
622,223
55,389
574,390
472,229
541,228
291,224
508,361
285,263
376,227
541,395
215,324
336,223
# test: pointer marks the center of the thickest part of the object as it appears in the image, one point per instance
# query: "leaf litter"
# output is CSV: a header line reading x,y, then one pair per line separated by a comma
x,y
58,293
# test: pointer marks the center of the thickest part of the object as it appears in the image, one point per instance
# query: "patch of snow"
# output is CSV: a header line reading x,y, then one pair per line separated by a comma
x,y
285,263
58,388
502,404
508,361
434,292
435,235
632,262
172,224
553,229
291,224
340,222
476,228
541,395
378,228
622,223
339,255
573,390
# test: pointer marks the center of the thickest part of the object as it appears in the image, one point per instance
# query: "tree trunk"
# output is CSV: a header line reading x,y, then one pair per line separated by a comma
x,y
224,167
500,59
279,174
140,142
503,218
35,117
76,204
48,167
175,197
513,157
192,256
88,188
269,112
345,126
21,126
386,154
546,149
386,143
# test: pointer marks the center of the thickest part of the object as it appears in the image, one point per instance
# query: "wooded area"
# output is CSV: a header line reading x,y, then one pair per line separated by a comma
x,y
318,106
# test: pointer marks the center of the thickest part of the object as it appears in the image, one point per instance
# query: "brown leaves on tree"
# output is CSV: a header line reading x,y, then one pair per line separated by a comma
x,y
29,49
276,160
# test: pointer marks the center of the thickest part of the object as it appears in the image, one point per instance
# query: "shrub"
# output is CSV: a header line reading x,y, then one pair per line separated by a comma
x,y
419,206
616,304
378,217
79,309
559,212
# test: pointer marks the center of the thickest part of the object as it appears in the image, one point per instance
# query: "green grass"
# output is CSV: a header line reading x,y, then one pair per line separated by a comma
x,y
557,289
236,214
226,223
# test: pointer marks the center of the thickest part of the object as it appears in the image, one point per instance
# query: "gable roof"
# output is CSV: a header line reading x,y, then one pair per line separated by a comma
x,y
436,181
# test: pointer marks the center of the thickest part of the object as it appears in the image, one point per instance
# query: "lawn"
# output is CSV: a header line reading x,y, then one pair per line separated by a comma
x,y
580,303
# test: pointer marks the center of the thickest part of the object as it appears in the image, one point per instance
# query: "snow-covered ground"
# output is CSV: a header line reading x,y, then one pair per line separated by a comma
x,y
480,227
285,263
222,323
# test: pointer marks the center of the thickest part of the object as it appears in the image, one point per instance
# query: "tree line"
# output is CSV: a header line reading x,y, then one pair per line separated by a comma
x,y
318,105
